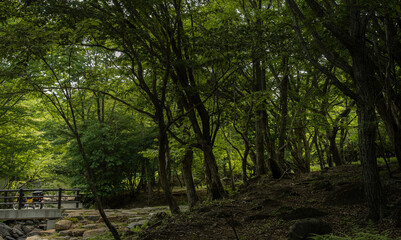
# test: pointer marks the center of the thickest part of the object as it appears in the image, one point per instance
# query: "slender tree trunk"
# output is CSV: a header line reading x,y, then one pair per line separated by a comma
x,y
168,162
259,120
216,188
188,179
283,122
230,169
90,179
162,143
244,163
331,135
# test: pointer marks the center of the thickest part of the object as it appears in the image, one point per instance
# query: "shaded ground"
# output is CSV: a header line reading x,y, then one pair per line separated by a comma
x,y
267,208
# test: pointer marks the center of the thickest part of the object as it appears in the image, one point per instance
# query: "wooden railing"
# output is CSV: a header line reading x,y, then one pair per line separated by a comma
x,y
24,198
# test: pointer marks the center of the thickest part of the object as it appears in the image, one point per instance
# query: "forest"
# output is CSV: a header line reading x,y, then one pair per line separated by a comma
x,y
123,97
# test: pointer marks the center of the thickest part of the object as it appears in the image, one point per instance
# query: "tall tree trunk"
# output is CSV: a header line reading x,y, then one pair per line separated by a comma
x,y
168,162
283,120
90,179
244,163
259,119
192,197
146,168
367,147
162,143
367,90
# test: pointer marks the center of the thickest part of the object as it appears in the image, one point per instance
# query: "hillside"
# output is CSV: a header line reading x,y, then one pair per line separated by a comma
x,y
267,208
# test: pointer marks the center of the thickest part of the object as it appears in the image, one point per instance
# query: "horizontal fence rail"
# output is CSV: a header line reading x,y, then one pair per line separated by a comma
x,y
38,198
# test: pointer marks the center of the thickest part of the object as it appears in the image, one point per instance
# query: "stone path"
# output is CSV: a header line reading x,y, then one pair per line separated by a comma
x,y
87,223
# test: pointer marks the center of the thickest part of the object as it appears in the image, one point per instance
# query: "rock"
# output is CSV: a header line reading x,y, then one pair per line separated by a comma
x,y
135,219
306,227
18,232
77,232
34,232
135,224
9,238
157,218
1,238
27,229
5,230
90,226
93,233
63,225
29,222
65,233
48,232
36,237
93,218
300,213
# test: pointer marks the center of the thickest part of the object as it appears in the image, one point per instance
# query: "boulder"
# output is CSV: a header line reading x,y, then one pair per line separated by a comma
x,y
5,230
133,225
48,232
305,228
90,226
18,232
93,233
63,225
34,232
36,237
27,229
78,232
65,233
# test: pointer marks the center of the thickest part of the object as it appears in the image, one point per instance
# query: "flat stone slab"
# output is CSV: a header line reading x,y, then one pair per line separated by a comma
x,y
10,214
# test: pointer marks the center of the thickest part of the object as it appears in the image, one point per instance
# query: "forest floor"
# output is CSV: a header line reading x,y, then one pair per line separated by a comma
x,y
267,208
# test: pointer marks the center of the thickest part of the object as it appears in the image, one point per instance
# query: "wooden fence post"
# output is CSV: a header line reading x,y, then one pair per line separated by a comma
x,y
59,198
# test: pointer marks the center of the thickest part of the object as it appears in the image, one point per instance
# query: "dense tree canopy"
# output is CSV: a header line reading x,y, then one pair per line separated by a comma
x,y
141,92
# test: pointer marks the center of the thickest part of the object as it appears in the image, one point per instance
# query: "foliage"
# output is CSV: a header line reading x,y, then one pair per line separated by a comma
x,y
114,157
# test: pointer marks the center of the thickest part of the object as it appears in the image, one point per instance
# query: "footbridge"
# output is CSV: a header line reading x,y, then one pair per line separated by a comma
x,y
22,204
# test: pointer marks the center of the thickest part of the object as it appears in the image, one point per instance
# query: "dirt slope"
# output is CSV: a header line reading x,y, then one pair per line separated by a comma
x,y
267,208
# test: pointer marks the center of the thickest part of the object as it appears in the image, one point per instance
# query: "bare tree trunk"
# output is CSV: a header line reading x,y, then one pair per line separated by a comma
x,y
259,120
230,169
331,135
283,122
216,188
162,143
188,179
